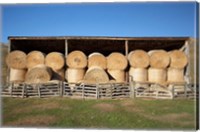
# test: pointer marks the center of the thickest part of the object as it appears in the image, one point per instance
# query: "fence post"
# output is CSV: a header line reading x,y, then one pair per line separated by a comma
x,y
61,88
97,91
185,90
131,86
83,91
112,90
11,89
23,90
38,86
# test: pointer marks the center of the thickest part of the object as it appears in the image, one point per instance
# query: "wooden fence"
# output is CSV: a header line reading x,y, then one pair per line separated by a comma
x,y
98,91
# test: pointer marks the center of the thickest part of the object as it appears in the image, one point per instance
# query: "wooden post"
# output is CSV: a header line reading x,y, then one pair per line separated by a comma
x,y
126,54
172,91
126,48
11,89
66,47
132,89
185,90
23,90
83,91
38,87
61,88
97,91
111,91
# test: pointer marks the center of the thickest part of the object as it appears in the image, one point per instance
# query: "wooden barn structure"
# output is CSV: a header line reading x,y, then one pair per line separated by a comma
x,y
104,45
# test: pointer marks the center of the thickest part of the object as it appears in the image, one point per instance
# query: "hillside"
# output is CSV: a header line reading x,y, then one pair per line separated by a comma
x,y
3,51
192,43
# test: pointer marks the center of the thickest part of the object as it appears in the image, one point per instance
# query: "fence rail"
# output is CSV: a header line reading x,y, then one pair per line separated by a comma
x,y
97,91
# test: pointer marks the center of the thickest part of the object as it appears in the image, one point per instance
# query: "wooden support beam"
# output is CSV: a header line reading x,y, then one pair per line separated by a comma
x,y
126,48
66,47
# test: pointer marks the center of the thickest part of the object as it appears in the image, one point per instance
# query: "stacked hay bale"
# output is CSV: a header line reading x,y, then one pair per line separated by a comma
x,y
35,58
38,70
139,61
97,59
116,65
76,62
175,72
56,61
16,61
39,74
159,61
96,69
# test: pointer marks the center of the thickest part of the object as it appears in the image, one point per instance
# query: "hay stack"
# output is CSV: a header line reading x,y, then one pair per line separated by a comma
x,y
55,60
35,58
74,75
96,75
138,74
16,60
97,59
59,75
138,59
118,75
76,59
17,75
175,75
39,74
116,61
156,75
178,59
159,59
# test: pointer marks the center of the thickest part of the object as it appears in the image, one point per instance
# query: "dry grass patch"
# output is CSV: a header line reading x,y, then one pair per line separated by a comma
x,y
31,121
174,118
105,107
44,106
130,106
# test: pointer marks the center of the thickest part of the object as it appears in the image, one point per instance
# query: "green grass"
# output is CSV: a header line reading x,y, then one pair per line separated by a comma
x,y
112,114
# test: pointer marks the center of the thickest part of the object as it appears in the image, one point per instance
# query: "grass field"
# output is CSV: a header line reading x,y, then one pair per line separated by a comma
x,y
111,114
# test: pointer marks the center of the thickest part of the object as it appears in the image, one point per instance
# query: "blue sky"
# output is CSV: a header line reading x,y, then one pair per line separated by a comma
x,y
105,19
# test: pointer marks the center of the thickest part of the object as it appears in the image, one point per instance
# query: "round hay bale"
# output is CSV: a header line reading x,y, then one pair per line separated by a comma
x,y
39,74
55,60
74,75
138,59
97,59
138,74
116,61
17,75
175,75
159,59
96,75
34,58
118,75
156,75
16,60
178,59
76,59
59,75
